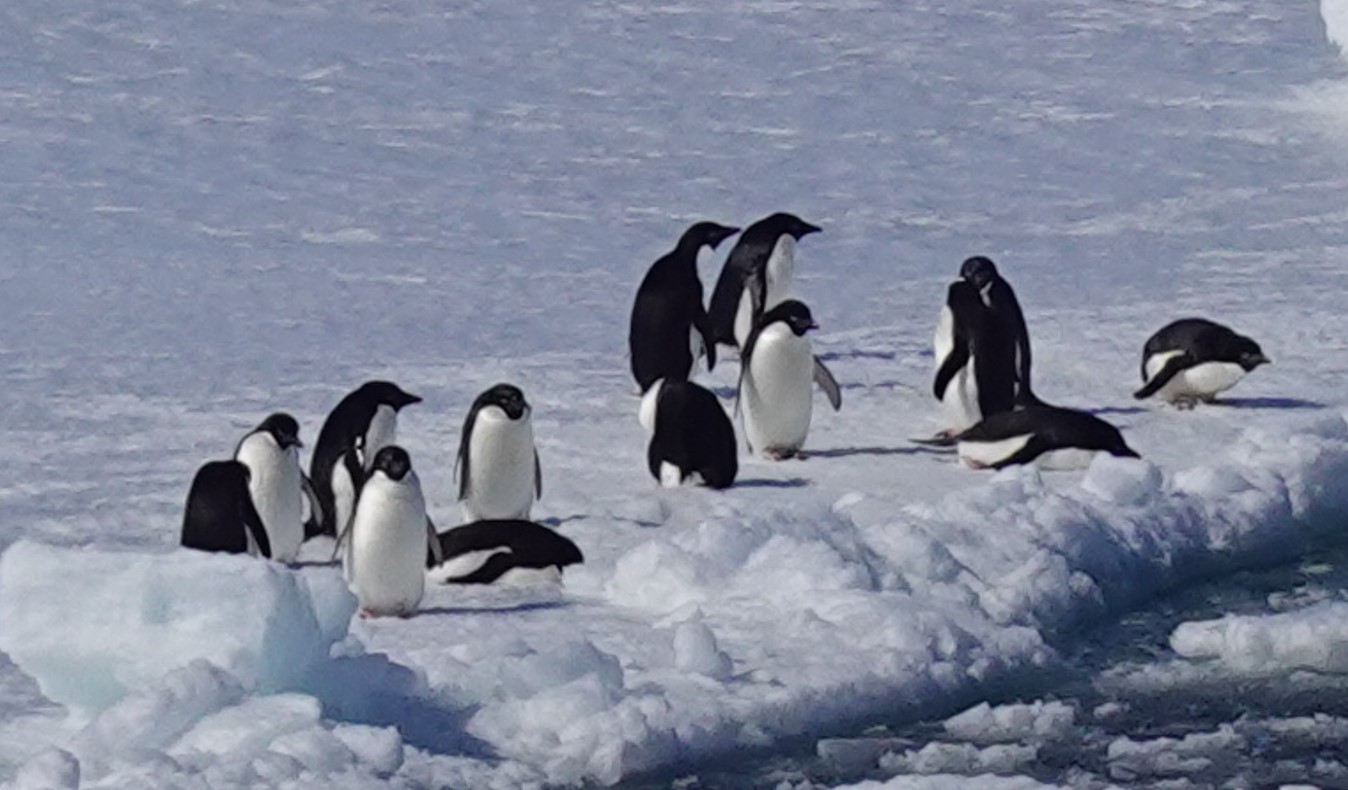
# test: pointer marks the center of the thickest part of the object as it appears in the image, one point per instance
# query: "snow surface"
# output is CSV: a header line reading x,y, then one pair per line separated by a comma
x,y
216,211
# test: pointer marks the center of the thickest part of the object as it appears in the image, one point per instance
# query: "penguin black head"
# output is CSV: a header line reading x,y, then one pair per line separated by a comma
x,y
283,428
507,397
387,393
393,461
980,271
794,313
708,233
782,223
1248,354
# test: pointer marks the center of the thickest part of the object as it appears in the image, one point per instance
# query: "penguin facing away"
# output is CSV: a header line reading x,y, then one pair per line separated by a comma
x,y
692,440
511,551
756,276
1194,359
498,470
386,559
276,482
1048,436
778,371
219,515
668,318
360,425
1006,356
961,336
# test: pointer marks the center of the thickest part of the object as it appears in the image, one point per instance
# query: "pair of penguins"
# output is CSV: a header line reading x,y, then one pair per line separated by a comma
x,y
363,492
691,438
982,359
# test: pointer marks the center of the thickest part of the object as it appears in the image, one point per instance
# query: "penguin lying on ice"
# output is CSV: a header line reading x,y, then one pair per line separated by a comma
x,y
506,550
1049,436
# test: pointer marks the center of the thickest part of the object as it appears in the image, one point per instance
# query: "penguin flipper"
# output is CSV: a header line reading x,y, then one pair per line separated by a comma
x,y
702,323
253,523
1032,450
538,476
824,378
954,362
494,568
1173,367
435,552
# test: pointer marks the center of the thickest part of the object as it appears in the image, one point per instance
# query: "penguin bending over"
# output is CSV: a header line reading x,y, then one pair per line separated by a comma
x,y
510,551
778,371
1006,356
1049,436
962,336
1193,359
692,439
498,470
385,564
668,318
362,423
756,276
276,482
220,516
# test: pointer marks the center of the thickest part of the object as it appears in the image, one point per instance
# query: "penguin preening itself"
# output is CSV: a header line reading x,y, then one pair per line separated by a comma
x,y
1049,436
756,276
668,317
220,515
362,423
385,563
692,439
276,482
507,550
1193,359
778,371
498,469
1005,356
962,336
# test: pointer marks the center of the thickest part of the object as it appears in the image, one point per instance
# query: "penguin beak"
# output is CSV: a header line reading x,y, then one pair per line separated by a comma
x,y
806,229
293,441
814,325
411,399
722,235
1260,359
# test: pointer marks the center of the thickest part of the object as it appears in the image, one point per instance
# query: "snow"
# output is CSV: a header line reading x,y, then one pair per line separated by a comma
x,y
984,724
1314,638
217,211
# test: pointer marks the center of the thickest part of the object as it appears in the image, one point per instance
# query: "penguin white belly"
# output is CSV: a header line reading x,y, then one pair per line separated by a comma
x,y
382,431
943,342
649,401
1203,381
779,271
960,404
778,392
984,454
1065,459
672,477
501,467
388,547
529,577
274,482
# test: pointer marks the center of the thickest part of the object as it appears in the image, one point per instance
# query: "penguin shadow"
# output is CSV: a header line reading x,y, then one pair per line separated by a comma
x,y
1266,403
1116,410
763,482
487,607
831,356
557,521
844,452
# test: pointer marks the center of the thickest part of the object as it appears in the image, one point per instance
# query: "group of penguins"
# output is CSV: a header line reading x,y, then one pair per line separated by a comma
x,y
362,492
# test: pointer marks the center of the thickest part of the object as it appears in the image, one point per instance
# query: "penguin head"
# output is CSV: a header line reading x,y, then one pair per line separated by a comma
x,y
980,271
507,397
283,428
386,393
792,312
1248,354
708,233
393,461
784,224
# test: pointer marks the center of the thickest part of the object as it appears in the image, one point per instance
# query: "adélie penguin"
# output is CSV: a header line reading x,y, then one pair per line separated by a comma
x,y
962,335
510,551
1051,437
385,563
692,440
219,515
276,482
756,276
1194,359
362,423
498,470
668,319
778,371
1005,356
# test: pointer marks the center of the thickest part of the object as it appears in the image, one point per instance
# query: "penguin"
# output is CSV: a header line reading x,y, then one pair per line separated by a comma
x,y
278,486
668,319
386,541
498,469
220,515
1193,359
961,336
362,422
507,550
1005,357
778,371
1049,436
692,439
756,276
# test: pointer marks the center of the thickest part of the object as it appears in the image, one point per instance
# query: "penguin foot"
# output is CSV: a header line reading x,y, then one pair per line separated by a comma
x,y
974,463
1186,403
781,454
365,614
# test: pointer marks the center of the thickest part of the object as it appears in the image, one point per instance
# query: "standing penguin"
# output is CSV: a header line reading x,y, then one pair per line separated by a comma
x,y
220,515
498,470
668,311
386,559
756,276
509,551
362,422
278,486
692,439
1048,436
962,383
1193,359
778,371
1005,358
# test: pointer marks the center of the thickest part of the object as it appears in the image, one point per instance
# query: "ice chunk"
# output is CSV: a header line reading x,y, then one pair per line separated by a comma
x,y
1335,15
1038,721
1161,757
960,758
54,769
695,650
1122,481
1313,638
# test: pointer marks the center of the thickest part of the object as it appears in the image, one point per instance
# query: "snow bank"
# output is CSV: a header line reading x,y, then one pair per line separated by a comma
x,y
90,626
953,782
1314,638
1335,16
1037,721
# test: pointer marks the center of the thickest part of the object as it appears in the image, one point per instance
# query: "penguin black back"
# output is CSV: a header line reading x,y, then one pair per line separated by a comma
x,y
693,433
668,307
219,514
745,268
517,543
1048,428
1005,356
